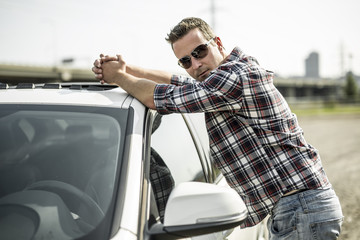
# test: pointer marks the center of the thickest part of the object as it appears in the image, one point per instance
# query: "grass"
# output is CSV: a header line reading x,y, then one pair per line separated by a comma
x,y
327,110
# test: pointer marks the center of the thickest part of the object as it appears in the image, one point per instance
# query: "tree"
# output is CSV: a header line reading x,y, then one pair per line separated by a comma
x,y
350,87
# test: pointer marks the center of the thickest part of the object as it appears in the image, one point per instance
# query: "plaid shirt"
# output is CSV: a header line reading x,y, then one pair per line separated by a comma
x,y
255,139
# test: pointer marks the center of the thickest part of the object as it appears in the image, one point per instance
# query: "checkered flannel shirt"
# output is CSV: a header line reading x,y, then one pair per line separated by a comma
x,y
255,139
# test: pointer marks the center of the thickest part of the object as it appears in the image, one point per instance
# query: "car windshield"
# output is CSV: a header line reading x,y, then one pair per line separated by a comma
x,y
58,168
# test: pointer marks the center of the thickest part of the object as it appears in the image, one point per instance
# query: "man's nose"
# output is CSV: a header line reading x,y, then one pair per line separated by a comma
x,y
195,63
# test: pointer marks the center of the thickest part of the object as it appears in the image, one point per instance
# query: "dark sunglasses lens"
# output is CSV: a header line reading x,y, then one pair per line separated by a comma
x,y
185,62
200,52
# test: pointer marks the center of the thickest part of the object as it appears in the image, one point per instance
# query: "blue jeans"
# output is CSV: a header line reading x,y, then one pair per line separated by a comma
x,y
312,214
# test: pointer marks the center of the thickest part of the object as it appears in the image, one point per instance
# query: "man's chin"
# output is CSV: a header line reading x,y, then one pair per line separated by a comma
x,y
202,77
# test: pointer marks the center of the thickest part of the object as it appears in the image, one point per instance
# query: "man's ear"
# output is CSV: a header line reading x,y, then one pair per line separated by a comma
x,y
219,44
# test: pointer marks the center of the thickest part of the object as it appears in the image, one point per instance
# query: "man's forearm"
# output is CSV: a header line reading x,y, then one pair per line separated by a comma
x,y
140,88
157,76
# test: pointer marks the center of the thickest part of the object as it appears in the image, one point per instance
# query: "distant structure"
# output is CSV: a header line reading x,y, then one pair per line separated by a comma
x,y
295,90
312,66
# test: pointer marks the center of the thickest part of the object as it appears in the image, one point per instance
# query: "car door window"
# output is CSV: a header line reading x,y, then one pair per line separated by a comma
x,y
197,122
173,142
174,158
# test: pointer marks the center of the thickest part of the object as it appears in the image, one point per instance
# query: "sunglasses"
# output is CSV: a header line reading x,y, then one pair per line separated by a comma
x,y
199,52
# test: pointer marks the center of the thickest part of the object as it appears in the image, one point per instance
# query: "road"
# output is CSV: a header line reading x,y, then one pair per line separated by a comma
x,y
337,137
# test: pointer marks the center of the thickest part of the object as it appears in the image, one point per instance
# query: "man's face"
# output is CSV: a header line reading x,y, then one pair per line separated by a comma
x,y
200,68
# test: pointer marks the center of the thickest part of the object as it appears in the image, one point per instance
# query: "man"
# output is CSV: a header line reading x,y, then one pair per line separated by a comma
x,y
255,140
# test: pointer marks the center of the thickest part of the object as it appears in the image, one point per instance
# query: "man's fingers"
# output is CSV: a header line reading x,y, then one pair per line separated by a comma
x,y
99,76
105,58
96,70
97,63
119,58
108,58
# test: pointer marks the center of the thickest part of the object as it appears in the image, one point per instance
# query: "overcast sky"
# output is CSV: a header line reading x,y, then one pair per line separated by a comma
x,y
279,33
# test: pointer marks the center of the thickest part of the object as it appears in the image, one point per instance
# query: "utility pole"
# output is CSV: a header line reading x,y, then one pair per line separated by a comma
x,y
350,62
213,14
342,60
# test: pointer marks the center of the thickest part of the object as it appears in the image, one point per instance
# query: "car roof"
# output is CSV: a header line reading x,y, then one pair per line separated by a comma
x,y
78,94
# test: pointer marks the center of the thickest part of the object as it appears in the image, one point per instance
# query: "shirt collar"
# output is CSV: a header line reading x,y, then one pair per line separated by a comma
x,y
236,54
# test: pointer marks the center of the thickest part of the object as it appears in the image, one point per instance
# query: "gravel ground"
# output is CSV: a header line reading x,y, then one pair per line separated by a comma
x,y
337,137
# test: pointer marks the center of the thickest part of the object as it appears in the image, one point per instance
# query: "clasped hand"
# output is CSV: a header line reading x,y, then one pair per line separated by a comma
x,y
107,67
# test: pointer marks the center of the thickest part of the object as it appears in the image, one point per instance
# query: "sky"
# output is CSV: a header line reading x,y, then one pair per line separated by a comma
x,y
279,33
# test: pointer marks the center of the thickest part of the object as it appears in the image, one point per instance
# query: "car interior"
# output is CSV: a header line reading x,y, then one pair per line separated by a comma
x,y
47,154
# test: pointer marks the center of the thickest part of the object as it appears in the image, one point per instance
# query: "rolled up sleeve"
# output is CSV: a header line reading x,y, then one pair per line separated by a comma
x,y
179,80
214,94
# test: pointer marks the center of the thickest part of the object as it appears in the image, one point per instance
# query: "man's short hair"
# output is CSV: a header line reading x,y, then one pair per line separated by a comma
x,y
186,25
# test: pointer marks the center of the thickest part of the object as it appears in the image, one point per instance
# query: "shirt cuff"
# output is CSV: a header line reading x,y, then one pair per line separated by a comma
x,y
160,100
180,80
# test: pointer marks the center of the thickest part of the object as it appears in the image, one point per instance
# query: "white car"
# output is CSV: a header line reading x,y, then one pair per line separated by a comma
x,y
88,161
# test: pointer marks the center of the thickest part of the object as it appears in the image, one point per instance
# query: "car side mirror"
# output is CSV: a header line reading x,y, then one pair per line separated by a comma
x,y
195,208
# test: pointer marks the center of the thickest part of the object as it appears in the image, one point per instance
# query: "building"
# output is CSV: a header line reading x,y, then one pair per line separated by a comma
x,y
13,74
312,66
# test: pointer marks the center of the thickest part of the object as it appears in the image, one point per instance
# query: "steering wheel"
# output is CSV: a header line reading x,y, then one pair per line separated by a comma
x,y
73,197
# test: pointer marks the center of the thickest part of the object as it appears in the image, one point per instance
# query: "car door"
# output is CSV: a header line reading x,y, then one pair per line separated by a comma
x,y
176,157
